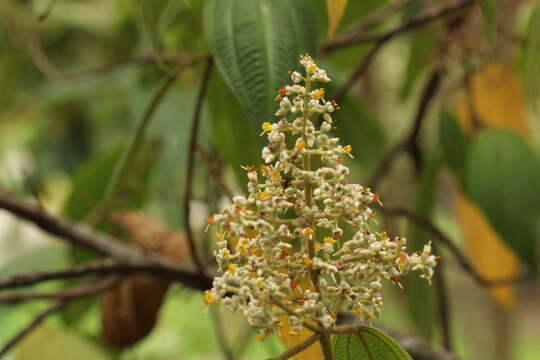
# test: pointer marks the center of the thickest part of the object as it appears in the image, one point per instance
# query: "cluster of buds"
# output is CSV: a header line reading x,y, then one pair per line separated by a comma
x,y
283,249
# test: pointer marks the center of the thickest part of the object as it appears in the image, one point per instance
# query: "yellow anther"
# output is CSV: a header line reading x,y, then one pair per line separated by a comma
x,y
329,240
301,145
266,126
306,261
347,149
231,268
319,93
208,298
357,309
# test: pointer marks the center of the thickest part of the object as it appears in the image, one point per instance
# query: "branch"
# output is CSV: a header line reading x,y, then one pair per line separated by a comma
x,y
298,347
191,167
78,291
82,235
28,328
359,71
184,275
410,142
451,245
169,58
357,37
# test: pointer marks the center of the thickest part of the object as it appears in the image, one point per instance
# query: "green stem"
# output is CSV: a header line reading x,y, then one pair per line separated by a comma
x,y
307,163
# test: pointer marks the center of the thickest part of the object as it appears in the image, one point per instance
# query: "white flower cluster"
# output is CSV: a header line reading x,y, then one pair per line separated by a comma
x,y
282,249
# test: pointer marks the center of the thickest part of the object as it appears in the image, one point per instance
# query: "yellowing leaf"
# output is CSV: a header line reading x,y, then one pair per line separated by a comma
x,y
489,253
313,352
335,9
493,99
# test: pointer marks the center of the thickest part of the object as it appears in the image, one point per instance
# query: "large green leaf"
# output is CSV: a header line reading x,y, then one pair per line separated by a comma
x,y
501,171
370,344
255,43
453,142
233,135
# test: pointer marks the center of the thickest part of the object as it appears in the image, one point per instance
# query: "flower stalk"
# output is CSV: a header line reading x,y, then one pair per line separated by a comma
x,y
301,245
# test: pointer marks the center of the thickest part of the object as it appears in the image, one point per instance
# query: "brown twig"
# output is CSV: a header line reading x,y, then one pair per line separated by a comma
x,y
451,246
191,167
31,326
84,236
359,71
410,142
298,347
86,289
106,267
357,37
428,94
169,58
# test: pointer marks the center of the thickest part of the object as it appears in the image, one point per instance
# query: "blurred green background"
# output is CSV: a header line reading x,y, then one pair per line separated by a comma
x,y
77,78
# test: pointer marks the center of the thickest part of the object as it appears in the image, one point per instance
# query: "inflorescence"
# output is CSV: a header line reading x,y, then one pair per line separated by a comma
x,y
282,249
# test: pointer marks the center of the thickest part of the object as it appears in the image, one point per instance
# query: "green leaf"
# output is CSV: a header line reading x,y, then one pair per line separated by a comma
x,y
501,169
357,126
255,43
453,142
234,136
420,295
531,57
89,184
489,13
368,343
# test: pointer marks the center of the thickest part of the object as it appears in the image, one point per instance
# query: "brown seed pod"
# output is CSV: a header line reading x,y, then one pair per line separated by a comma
x,y
129,310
